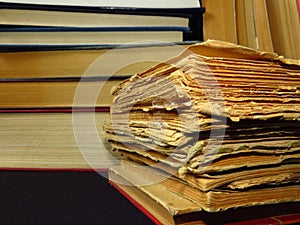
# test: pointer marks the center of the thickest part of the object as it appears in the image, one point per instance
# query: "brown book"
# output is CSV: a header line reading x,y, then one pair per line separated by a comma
x,y
216,107
217,125
168,201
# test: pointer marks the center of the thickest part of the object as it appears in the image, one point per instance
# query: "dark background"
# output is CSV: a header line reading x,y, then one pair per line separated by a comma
x,y
63,198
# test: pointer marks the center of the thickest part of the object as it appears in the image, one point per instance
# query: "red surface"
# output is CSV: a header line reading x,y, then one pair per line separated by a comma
x,y
289,219
276,220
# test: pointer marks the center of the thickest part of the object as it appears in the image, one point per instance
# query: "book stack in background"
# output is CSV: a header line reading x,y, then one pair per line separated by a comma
x,y
265,25
214,129
48,48
105,23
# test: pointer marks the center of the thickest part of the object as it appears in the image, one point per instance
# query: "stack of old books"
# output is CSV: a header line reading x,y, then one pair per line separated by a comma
x,y
216,128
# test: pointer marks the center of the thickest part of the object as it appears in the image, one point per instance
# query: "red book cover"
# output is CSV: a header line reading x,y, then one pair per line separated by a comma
x,y
276,220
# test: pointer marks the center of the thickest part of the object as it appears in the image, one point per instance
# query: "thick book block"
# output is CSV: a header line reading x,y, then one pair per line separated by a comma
x,y
213,130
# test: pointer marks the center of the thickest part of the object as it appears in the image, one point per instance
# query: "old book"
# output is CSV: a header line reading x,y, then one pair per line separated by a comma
x,y
218,126
181,118
167,201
